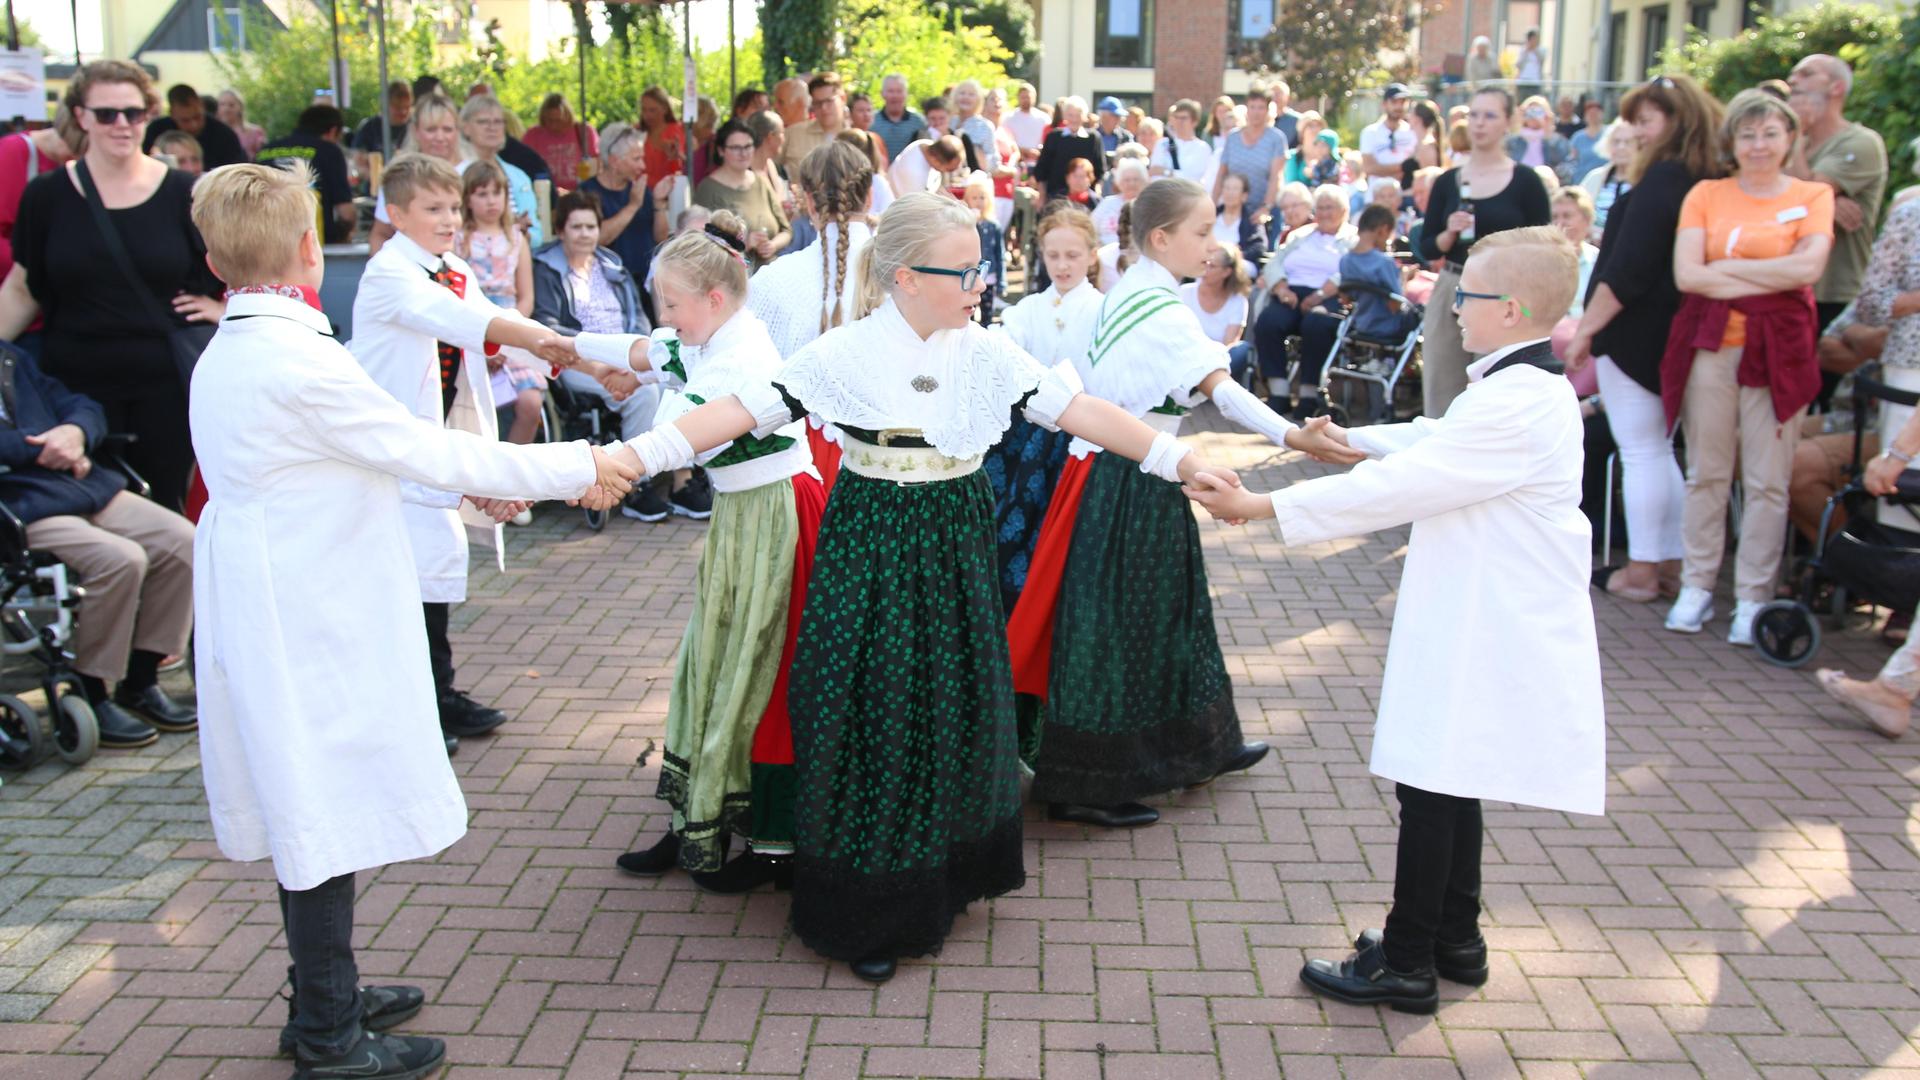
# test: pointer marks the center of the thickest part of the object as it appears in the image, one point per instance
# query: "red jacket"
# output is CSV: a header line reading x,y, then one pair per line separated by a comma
x,y
1779,354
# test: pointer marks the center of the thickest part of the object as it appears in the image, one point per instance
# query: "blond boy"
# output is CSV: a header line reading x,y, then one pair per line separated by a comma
x,y
319,737
1492,685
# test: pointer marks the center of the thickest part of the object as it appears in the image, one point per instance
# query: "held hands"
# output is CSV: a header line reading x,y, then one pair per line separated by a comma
x,y
500,510
1323,440
612,480
557,350
63,448
1226,500
621,384
1882,474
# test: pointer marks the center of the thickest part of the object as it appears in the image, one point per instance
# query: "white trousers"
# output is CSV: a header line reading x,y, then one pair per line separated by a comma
x,y
1650,480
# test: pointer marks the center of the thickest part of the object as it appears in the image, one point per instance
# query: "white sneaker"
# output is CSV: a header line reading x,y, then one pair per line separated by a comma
x,y
1741,633
1691,610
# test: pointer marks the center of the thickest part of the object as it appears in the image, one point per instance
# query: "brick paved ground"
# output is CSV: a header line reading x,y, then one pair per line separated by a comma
x,y
1747,908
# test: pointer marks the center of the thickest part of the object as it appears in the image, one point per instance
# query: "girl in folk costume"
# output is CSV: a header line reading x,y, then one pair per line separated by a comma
x,y
1054,327
728,764
900,693
1117,572
805,295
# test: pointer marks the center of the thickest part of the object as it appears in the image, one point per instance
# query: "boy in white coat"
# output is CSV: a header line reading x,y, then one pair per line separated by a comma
x,y
319,739
423,330
1492,686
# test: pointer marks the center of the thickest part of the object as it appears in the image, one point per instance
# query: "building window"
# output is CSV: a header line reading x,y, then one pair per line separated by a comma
x,y
1750,13
1617,48
1247,24
1655,39
226,28
1700,16
1123,33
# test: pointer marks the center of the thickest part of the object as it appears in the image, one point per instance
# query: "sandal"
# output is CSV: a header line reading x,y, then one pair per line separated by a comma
x,y
1610,580
1888,719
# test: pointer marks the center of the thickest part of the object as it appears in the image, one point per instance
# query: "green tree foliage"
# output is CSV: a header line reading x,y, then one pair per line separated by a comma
x,y
796,36
1328,48
883,36
1010,20
280,71
1886,94
1727,66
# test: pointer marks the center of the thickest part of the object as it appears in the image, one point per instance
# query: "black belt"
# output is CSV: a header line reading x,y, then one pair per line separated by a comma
x,y
1456,267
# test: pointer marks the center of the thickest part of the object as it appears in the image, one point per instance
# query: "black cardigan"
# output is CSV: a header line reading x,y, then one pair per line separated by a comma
x,y
1058,151
1636,262
1521,203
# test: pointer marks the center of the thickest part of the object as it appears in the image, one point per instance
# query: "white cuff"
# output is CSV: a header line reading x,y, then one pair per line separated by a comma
x,y
768,406
663,449
1164,457
609,349
1241,407
1057,389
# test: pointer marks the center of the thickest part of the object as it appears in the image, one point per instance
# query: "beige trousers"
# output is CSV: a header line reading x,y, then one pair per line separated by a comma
x,y
1727,423
135,559
1443,357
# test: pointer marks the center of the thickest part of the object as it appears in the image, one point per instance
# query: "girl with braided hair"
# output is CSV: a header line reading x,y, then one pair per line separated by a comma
x,y
806,293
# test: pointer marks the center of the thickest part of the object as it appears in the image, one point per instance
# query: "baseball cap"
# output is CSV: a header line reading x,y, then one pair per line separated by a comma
x,y
1110,104
1395,90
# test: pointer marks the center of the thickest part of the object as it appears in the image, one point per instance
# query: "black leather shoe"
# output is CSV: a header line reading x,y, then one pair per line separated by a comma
x,y
874,969
1126,815
1465,964
461,715
747,873
120,729
1250,755
377,1057
453,744
654,861
1365,979
157,709
381,1008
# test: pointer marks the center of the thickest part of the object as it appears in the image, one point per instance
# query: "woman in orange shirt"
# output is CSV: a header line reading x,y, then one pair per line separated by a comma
x,y
1740,368
665,146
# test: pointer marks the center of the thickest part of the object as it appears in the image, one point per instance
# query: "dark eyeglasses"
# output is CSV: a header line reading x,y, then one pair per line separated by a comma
x,y
132,114
968,277
738,148
1461,296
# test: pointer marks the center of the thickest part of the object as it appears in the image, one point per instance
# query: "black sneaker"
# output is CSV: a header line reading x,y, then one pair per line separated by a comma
x,y
648,502
461,715
120,729
377,1057
696,499
381,1008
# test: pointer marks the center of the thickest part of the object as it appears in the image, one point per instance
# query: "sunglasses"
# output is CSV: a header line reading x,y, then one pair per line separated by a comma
x,y
738,148
968,277
1461,296
132,114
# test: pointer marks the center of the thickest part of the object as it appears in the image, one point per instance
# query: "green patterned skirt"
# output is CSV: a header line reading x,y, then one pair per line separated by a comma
x,y
729,661
901,695
1138,700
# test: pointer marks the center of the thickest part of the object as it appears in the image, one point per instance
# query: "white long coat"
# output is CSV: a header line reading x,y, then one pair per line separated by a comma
x,y
399,316
320,741
1492,686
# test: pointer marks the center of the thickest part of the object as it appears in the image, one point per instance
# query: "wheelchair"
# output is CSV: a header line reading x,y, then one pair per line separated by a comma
x,y
571,416
1374,372
38,598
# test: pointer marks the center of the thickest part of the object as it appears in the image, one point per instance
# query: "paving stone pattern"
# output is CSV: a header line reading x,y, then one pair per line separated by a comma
x,y
1747,908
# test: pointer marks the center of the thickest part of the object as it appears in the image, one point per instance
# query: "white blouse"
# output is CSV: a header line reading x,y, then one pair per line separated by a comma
x,y
1053,326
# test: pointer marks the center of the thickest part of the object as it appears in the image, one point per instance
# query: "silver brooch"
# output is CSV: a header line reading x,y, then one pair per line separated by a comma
x,y
926,384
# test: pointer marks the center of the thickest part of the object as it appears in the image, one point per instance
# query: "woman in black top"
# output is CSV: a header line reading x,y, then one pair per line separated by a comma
x,y
1675,121
103,339
1504,196
1062,146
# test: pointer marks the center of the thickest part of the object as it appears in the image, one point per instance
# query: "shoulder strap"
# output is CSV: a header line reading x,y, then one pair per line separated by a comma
x,y
1173,152
118,248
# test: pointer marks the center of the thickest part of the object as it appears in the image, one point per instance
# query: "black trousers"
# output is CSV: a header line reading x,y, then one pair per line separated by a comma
x,y
439,649
326,982
1824,314
1436,877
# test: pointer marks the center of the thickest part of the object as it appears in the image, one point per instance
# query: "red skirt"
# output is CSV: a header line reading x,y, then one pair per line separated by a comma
x,y
773,739
1030,628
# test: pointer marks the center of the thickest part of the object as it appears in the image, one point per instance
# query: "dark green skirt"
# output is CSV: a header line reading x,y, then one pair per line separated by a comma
x,y
1138,700
901,696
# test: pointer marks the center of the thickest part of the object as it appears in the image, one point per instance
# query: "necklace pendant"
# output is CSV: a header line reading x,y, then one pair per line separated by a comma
x,y
926,384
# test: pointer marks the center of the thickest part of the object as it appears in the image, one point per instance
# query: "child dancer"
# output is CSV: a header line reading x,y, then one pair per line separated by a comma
x,y
1492,686
901,698
421,327
805,294
302,573
1054,327
993,252
728,765
503,269
1114,631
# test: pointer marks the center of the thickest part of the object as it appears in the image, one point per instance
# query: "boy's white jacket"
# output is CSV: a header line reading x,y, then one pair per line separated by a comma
x,y
320,739
1492,685
399,314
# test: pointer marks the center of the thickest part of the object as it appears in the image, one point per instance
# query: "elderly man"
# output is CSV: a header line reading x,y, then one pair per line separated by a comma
x,y
1285,120
1851,159
134,557
187,112
897,125
790,101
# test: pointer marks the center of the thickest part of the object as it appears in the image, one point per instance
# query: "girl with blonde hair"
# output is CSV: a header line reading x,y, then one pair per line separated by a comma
x,y
900,695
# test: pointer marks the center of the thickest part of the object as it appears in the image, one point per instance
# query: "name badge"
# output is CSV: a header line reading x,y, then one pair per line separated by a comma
x,y
1792,213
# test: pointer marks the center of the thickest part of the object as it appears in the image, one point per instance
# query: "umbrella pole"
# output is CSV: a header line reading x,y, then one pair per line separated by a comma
x,y
691,106
386,117
733,58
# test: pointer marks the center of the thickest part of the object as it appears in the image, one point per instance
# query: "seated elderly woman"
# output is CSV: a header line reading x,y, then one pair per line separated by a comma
x,y
1301,274
1129,180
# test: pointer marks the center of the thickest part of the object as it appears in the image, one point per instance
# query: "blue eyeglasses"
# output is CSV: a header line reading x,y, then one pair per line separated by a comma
x,y
969,277
1461,296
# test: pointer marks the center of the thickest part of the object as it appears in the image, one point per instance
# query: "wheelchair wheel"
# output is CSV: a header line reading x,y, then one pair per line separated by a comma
x,y
597,519
1786,633
23,738
76,731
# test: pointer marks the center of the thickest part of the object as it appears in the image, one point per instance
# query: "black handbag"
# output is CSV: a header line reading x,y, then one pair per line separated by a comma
x,y
186,343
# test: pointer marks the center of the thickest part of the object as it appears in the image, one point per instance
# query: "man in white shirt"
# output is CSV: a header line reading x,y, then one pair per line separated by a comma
x,y
1027,122
1387,142
920,165
1183,153
1529,66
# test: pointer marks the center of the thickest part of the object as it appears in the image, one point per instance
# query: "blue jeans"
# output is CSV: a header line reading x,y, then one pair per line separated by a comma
x,y
1239,355
326,982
